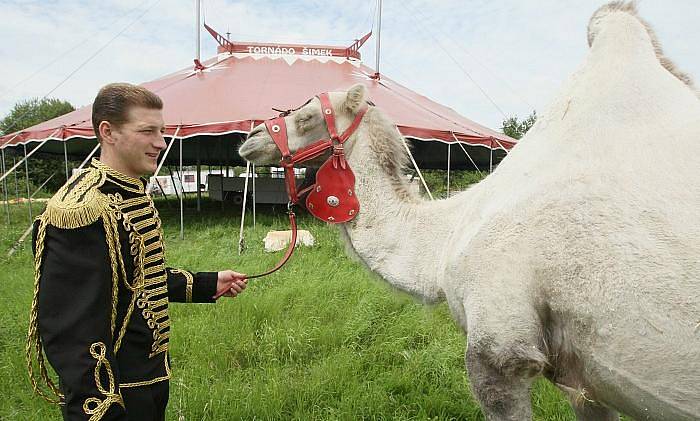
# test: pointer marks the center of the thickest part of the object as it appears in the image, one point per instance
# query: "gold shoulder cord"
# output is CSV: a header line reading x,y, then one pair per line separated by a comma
x,y
33,339
95,407
113,245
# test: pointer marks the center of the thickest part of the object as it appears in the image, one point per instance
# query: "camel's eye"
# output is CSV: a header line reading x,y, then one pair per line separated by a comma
x,y
303,122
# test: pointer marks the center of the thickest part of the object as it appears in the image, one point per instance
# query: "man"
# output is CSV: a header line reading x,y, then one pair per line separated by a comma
x,y
101,293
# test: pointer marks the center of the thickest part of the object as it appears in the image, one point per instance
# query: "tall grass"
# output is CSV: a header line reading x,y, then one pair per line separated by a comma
x,y
322,339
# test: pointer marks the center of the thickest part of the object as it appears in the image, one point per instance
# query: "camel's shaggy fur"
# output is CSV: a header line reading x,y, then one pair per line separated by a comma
x,y
577,259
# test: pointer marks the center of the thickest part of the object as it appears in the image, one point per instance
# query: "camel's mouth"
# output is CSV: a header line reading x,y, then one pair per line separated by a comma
x,y
259,148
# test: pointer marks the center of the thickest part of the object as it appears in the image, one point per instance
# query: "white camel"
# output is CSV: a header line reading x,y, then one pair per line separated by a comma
x,y
577,259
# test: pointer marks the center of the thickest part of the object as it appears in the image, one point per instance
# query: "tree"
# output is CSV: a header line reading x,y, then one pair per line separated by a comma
x,y
517,129
33,111
26,114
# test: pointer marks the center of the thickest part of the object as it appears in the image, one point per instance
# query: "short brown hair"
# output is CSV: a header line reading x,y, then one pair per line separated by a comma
x,y
113,102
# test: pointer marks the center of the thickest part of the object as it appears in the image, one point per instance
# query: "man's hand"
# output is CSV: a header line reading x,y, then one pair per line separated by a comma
x,y
230,284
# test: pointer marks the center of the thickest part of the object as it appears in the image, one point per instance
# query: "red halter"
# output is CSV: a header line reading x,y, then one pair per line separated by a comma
x,y
332,198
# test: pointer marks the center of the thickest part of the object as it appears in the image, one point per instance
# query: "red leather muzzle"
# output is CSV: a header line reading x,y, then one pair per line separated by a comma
x,y
332,198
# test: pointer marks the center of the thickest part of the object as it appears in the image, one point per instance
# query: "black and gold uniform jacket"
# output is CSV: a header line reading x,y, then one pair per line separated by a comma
x,y
101,292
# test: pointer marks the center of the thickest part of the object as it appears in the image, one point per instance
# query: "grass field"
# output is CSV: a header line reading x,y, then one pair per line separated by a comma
x,y
322,339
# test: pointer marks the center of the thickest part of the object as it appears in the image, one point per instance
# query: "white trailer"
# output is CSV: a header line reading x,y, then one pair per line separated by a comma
x,y
173,185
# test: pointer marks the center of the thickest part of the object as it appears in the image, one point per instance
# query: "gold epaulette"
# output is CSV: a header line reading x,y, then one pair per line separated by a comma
x,y
79,202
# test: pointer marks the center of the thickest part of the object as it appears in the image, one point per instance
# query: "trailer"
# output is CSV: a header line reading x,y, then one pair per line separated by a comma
x,y
173,185
269,190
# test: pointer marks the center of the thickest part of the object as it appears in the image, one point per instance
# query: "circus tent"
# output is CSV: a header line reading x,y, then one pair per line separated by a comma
x,y
214,104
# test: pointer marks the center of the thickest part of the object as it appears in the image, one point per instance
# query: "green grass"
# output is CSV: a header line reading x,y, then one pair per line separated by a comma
x,y
322,339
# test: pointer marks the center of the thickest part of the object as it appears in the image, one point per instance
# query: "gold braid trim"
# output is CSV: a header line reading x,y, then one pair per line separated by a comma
x,y
78,203
110,225
124,181
96,407
189,280
115,214
149,382
33,338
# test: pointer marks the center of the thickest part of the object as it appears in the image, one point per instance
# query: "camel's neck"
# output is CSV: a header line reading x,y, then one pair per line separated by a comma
x,y
399,237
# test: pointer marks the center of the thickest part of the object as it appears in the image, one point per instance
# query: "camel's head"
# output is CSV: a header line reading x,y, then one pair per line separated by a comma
x,y
305,126
623,10
596,21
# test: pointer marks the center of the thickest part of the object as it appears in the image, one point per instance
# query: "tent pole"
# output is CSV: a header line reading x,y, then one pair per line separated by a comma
x,y
254,200
167,151
420,175
16,181
160,165
241,240
253,168
491,157
379,34
162,192
4,188
221,171
226,158
43,184
181,178
172,178
65,157
448,169
19,242
199,178
26,173
182,196
82,164
467,154
501,145
14,167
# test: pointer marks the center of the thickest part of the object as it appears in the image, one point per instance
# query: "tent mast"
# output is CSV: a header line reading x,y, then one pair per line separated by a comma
x,y
379,37
196,28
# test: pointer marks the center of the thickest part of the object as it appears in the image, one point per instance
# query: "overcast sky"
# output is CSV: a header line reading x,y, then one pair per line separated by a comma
x,y
517,52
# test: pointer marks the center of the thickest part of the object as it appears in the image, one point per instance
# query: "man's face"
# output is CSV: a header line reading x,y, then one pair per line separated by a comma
x,y
138,142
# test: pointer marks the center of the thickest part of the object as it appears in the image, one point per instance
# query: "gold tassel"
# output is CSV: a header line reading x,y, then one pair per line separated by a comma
x,y
33,338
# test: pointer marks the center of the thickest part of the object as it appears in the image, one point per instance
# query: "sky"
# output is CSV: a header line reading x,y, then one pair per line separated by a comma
x,y
487,59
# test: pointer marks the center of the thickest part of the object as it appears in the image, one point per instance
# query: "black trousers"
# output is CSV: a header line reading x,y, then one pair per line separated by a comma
x,y
143,403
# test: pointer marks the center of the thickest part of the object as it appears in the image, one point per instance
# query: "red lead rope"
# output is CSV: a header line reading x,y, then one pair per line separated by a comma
x,y
287,255
277,129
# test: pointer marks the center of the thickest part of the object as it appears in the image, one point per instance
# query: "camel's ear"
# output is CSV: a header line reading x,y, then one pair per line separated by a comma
x,y
355,98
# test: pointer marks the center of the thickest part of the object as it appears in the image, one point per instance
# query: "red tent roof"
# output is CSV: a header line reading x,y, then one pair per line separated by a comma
x,y
238,88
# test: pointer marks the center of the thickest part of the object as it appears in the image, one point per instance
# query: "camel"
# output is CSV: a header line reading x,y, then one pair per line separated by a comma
x,y
577,259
